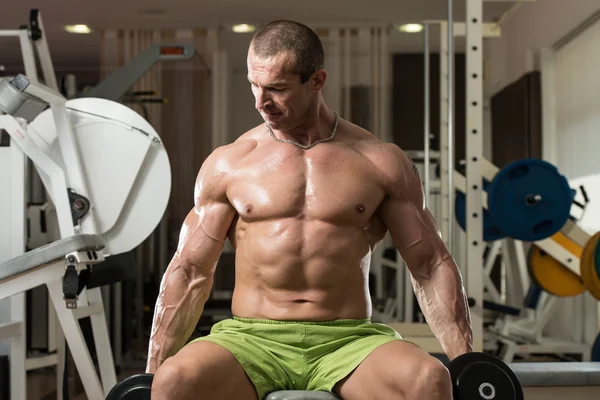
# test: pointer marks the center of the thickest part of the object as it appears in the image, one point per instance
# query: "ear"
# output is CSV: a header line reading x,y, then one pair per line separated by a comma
x,y
318,79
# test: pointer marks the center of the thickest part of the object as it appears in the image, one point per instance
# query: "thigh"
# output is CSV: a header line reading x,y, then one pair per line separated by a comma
x,y
392,371
202,367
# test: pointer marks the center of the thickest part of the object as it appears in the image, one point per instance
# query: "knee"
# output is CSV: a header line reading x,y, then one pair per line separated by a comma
x,y
433,381
172,381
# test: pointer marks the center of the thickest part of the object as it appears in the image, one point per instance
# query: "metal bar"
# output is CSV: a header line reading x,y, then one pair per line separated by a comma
x,y
214,45
45,57
10,32
489,29
28,57
426,133
118,83
384,92
444,187
582,27
347,71
17,246
474,156
450,106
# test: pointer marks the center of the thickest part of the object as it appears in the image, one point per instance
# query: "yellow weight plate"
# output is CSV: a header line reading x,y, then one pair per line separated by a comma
x,y
551,275
587,266
567,244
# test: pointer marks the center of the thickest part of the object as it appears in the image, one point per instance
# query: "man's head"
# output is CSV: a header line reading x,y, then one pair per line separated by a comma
x,y
285,69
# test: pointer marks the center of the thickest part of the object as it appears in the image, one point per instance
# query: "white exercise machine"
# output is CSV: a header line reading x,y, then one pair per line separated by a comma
x,y
27,194
107,174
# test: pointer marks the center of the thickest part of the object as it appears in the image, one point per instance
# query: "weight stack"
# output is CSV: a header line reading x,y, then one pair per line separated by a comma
x,y
4,378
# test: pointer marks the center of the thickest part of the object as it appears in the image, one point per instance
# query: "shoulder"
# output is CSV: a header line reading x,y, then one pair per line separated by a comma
x,y
226,158
397,173
214,175
390,161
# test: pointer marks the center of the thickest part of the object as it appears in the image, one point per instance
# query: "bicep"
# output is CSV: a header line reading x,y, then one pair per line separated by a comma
x,y
413,228
203,233
414,232
205,228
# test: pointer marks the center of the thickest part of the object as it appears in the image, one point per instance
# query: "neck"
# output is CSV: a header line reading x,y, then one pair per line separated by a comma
x,y
316,124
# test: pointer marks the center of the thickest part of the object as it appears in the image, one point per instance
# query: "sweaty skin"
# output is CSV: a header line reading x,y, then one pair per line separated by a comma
x,y
304,225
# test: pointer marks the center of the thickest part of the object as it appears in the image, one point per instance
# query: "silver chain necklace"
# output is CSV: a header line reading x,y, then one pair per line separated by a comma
x,y
306,147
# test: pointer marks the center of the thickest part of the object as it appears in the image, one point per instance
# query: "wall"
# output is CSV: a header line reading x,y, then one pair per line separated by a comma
x,y
532,26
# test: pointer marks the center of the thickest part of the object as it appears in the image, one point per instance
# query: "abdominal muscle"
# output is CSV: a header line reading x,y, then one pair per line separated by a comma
x,y
300,270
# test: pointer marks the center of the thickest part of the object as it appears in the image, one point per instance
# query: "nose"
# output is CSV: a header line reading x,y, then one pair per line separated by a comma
x,y
261,97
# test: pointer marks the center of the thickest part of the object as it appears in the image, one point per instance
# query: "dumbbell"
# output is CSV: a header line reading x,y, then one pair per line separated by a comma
x,y
480,376
135,387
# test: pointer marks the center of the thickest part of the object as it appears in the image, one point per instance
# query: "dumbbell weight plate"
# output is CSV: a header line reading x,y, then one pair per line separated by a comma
x,y
588,266
529,200
135,387
479,376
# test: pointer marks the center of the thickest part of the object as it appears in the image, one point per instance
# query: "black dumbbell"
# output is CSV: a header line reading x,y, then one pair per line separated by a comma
x,y
480,376
136,387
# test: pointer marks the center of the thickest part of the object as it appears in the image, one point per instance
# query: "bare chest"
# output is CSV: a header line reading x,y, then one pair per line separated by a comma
x,y
334,185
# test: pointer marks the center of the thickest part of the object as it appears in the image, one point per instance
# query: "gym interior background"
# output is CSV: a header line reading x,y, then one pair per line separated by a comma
x,y
539,90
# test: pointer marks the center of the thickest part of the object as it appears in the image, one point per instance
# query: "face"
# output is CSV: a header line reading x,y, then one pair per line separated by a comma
x,y
280,97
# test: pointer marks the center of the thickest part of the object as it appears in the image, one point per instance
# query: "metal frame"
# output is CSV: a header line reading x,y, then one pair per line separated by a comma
x,y
13,237
524,334
474,155
57,182
29,37
51,275
510,331
474,30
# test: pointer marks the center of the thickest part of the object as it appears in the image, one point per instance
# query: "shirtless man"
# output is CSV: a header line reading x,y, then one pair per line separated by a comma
x,y
304,199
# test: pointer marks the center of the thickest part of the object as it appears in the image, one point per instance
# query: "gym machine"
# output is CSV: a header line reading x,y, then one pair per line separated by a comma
x,y
40,214
529,201
108,176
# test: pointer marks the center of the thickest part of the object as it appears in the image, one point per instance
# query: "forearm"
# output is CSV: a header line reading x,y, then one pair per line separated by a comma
x,y
184,291
445,306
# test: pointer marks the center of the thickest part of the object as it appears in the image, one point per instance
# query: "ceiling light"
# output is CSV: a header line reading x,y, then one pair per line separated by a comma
x,y
243,28
411,28
79,28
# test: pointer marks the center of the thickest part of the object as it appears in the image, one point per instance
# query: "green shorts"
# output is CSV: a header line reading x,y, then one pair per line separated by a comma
x,y
290,355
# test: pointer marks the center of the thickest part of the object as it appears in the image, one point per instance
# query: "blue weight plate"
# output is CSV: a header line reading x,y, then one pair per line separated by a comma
x,y
490,231
529,200
596,349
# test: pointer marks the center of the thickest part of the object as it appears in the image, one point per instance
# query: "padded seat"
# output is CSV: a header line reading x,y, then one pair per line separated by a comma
x,y
300,395
557,374
49,253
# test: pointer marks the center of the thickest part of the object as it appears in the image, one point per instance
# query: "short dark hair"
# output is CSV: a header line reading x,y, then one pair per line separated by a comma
x,y
284,35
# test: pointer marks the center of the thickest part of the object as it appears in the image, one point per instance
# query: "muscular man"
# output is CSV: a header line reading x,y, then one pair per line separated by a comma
x,y
304,198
